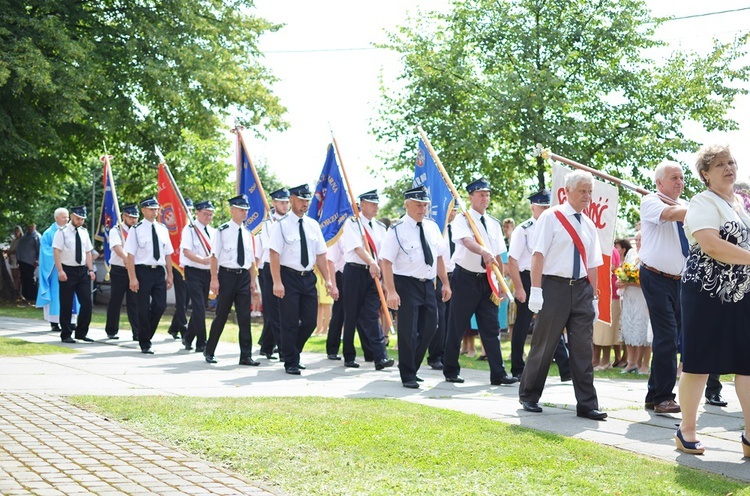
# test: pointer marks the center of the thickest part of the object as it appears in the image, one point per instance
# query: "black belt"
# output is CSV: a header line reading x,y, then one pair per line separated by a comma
x,y
74,267
195,268
359,266
656,271
471,273
567,280
415,278
233,271
149,266
302,273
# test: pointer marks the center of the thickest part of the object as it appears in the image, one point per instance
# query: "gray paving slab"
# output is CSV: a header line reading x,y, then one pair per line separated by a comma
x,y
118,368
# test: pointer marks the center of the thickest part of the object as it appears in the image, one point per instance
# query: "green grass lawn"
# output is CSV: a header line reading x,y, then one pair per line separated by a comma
x,y
321,446
19,347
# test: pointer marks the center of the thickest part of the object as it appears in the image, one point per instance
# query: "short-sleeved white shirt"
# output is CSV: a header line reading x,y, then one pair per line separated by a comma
x,y
140,243
554,242
285,240
65,241
660,241
335,254
225,246
264,238
352,238
191,241
492,237
522,244
402,247
115,239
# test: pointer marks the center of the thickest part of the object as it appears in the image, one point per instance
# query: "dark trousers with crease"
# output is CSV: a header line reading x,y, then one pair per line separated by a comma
x,y
336,324
298,313
417,323
471,295
234,289
437,346
271,335
181,300
198,283
79,285
361,307
119,289
565,307
151,301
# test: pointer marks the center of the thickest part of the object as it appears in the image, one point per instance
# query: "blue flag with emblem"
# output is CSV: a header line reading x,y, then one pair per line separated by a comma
x,y
330,204
427,174
248,183
110,211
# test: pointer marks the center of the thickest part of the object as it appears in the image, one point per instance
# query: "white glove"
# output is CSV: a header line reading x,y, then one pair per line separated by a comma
x,y
536,300
596,310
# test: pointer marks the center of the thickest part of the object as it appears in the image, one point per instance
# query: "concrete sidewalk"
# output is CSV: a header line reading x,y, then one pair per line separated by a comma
x,y
118,368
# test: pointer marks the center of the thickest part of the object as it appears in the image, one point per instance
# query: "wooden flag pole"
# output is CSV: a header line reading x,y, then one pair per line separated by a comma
x,y
472,225
378,286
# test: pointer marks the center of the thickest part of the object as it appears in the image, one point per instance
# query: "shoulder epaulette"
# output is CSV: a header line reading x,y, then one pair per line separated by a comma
x,y
283,217
381,224
430,220
353,219
495,219
223,226
527,224
397,223
138,224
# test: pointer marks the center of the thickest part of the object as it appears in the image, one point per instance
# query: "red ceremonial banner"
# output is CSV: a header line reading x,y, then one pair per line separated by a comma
x,y
172,214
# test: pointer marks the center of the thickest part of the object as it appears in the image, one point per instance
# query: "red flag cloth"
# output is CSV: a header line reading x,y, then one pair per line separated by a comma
x,y
173,215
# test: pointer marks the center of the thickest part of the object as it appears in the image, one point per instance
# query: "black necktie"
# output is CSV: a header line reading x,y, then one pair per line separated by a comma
x,y
304,259
481,219
451,244
425,247
369,223
683,239
155,240
79,248
205,228
240,248
576,255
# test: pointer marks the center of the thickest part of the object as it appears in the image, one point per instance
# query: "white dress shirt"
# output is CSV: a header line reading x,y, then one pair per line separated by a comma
x,y
554,242
65,241
285,240
224,246
403,248
191,241
264,239
352,238
522,244
140,243
660,241
116,239
335,254
492,238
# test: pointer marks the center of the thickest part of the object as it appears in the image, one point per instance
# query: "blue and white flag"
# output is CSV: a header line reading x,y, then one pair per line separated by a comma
x,y
330,204
249,184
427,174
110,211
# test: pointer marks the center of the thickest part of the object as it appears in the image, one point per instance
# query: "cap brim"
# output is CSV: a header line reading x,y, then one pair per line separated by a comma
x,y
419,200
135,216
240,207
304,197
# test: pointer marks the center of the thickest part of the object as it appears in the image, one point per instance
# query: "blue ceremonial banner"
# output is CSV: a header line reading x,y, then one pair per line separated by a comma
x,y
109,215
249,184
330,204
427,174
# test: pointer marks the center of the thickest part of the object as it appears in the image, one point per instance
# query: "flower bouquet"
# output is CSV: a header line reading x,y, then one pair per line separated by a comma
x,y
628,272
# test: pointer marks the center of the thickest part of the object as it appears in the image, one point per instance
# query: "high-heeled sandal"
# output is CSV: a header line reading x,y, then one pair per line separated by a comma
x,y
745,446
695,448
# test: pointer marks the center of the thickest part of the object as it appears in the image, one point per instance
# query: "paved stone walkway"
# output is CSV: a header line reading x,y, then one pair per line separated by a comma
x,y
51,448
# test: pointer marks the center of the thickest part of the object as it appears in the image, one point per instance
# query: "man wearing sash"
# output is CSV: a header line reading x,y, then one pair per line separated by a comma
x,y
563,281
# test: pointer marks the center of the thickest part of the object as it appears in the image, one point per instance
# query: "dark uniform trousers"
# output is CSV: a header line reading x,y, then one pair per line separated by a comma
x,y
198,283
521,332
565,306
271,335
361,308
28,288
234,288
417,322
151,299
471,295
662,296
119,289
437,346
181,299
336,324
298,311
78,284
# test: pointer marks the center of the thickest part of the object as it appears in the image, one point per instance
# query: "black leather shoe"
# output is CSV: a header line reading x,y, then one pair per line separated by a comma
x,y
411,384
293,370
333,356
174,334
456,379
351,364
113,336
147,351
437,365
209,358
68,340
135,337
200,349
249,361
386,362
531,406
270,356
418,379
301,367
566,378
715,400
85,339
592,414
505,380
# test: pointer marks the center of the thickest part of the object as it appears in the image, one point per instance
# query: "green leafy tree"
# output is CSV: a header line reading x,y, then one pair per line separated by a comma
x,y
76,76
491,78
